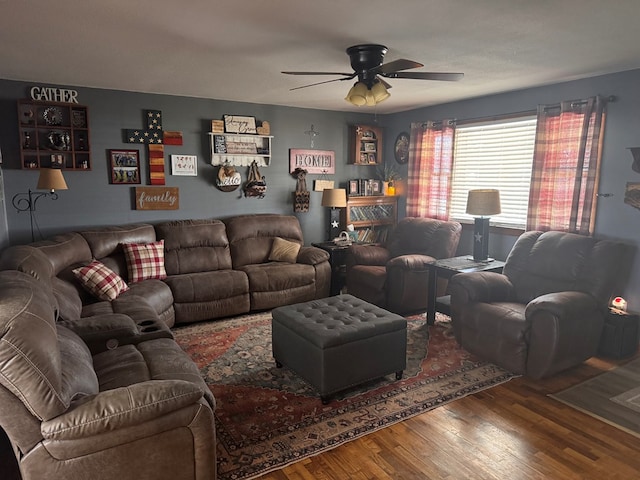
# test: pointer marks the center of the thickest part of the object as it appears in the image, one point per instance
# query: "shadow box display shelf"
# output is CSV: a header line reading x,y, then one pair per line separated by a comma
x,y
365,145
54,134
372,217
240,149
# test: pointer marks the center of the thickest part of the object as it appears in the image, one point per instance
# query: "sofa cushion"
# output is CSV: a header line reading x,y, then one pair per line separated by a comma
x,y
158,359
145,261
78,376
192,246
35,365
251,236
100,281
207,295
284,251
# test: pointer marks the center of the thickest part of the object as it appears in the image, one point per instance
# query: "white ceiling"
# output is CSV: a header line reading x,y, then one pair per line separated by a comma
x,y
236,49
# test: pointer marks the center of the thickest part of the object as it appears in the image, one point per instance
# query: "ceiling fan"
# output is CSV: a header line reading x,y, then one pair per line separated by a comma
x,y
366,62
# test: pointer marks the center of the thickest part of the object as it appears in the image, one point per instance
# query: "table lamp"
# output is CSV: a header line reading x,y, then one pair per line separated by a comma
x,y
482,203
334,198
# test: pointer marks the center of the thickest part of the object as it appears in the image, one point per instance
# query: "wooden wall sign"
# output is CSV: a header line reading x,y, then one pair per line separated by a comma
x,y
155,137
313,161
157,198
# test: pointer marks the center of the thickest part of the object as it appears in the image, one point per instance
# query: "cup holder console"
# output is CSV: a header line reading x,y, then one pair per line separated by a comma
x,y
151,327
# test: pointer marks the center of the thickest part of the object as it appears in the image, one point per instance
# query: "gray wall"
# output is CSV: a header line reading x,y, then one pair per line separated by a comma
x,y
614,219
91,200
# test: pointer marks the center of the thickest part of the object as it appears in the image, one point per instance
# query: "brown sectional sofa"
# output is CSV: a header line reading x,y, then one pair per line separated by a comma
x,y
98,389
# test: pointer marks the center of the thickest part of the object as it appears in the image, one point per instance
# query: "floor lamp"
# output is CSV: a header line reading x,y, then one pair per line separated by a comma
x,y
334,198
50,179
481,204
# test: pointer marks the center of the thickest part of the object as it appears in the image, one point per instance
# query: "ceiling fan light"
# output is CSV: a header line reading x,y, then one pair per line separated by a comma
x,y
371,101
380,93
358,94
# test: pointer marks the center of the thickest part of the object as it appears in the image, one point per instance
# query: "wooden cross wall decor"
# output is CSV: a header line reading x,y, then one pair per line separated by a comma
x,y
156,138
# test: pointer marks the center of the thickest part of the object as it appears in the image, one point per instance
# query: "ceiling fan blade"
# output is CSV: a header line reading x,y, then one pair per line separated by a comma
x,y
396,66
326,81
317,73
448,77
387,85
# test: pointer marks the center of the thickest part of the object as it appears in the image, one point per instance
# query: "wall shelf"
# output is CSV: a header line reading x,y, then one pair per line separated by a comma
x,y
54,134
365,145
240,150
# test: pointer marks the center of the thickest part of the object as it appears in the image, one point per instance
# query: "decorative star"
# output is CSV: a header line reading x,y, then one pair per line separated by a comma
x,y
478,237
335,224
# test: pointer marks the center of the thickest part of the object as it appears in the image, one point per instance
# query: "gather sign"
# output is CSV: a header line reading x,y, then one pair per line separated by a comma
x,y
157,198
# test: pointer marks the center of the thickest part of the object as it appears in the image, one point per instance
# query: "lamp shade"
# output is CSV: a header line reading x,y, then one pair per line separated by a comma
x,y
379,92
483,202
51,179
358,94
334,197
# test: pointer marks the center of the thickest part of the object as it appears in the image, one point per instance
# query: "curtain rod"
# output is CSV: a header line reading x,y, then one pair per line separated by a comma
x,y
610,98
487,118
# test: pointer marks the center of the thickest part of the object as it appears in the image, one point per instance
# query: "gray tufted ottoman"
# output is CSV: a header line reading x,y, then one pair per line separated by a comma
x,y
338,342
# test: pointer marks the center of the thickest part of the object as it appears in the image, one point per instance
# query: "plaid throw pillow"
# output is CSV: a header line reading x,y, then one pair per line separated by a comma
x,y
145,260
100,280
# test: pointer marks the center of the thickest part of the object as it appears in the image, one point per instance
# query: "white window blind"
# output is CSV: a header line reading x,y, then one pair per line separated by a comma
x,y
496,154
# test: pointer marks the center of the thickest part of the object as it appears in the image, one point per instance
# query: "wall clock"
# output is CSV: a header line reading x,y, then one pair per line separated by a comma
x,y
401,148
52,116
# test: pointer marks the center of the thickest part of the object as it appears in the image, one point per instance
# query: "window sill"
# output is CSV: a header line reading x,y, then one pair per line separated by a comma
x,y
515,232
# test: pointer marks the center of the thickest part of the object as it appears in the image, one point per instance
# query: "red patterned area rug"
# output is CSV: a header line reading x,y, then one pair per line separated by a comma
x,y
267,417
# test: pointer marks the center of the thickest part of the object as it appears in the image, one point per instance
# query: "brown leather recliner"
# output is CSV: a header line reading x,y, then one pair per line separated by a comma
x,y
135,411
545,312
394,276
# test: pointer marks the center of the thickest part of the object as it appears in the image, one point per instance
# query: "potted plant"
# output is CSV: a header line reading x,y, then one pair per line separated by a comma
x,y
388,174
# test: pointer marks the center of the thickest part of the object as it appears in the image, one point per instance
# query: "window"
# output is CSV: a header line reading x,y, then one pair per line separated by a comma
x,y
495,154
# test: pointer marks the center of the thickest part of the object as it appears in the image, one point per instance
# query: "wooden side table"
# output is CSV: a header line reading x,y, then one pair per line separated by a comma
x,y
447,268
619,335
338,261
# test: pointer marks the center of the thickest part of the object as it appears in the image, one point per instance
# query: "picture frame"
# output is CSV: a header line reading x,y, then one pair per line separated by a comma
x,y
239,124
371,158
369,146
376,187
124,167
353,190
184,165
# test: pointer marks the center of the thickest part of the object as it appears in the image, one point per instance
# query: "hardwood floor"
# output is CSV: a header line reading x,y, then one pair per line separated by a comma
x,y
513,431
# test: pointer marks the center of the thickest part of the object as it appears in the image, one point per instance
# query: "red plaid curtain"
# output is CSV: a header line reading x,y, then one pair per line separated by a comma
x,y
430,168
566,164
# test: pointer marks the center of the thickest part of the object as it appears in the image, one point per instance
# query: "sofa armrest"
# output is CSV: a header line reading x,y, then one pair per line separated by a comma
x,y
367,255
121,408
96,331
563,304
564,330
481,287
413,262
312,256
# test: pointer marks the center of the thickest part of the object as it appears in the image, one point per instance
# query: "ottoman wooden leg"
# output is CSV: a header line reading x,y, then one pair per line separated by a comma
x,y
399,375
